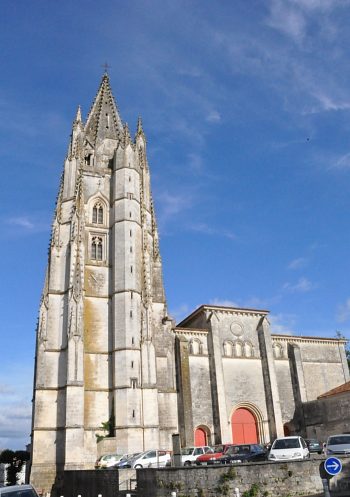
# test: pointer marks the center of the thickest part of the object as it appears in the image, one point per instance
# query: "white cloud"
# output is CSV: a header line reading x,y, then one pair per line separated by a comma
x,y
287,19
180,312
207,230
25,225
23,222
297,263
213,117
343,311
343,162
282,323
303,285
224,302
326,102
195,162
15,424
322,5
5,389
172,204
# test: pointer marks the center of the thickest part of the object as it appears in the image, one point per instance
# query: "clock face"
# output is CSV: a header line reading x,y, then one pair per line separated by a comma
x,y
237,329
96,280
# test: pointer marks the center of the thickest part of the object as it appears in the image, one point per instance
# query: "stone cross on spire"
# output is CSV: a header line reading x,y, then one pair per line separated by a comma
x,y
106,66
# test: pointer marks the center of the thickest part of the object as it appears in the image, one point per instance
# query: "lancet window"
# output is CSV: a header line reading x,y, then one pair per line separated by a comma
x,y
96,248
97,213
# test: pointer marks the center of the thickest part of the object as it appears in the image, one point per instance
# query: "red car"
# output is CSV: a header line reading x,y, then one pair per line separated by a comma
x,y
214,453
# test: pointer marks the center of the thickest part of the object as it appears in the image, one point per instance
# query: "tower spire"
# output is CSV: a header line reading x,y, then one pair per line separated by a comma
x,y
103,120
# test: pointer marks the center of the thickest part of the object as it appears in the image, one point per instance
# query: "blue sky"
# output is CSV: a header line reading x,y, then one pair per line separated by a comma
x,y
246,108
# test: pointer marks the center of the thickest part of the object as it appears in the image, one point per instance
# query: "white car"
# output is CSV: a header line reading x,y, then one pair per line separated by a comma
x,y
190,454
289,449
151,459
109,460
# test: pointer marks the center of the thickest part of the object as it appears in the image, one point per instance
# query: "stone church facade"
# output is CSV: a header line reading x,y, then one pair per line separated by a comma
x,y
107,351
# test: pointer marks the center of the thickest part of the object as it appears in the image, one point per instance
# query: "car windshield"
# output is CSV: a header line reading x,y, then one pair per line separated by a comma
x,y
234,449
218,448
131,456
286,443
339,440
187,452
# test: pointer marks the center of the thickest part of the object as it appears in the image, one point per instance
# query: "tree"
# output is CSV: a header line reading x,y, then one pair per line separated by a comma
x,y
15,461
340,336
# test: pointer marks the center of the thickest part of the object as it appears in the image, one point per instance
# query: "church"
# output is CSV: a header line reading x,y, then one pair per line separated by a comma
x,y
110,361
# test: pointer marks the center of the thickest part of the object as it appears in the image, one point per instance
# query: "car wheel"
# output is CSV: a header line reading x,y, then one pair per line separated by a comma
x,y
138,466
187,463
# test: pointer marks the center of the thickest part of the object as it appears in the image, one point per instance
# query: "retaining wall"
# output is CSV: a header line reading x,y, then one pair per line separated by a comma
x,y
266,479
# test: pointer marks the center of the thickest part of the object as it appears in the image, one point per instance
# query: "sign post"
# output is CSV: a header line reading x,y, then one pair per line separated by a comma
x,y
332,466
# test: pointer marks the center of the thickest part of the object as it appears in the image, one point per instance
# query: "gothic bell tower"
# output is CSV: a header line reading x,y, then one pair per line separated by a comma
x,y
105,346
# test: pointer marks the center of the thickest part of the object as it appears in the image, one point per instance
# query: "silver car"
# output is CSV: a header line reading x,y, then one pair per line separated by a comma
x,y
338,445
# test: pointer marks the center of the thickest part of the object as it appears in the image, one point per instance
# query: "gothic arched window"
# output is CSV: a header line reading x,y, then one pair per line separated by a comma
x,y
96,248
97,214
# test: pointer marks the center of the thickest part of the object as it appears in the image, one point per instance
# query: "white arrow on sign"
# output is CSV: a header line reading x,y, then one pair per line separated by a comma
x,y
334,466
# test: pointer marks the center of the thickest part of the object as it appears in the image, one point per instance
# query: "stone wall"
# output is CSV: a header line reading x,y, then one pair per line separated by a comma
x,y
92,483
264,479
269,479
327,416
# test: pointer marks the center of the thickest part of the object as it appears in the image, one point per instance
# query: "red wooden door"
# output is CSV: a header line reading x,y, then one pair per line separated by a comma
x,y
244,427
200,437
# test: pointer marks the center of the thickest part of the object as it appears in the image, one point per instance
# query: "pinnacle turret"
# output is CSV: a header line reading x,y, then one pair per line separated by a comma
x,y
78,118
126,135
139,129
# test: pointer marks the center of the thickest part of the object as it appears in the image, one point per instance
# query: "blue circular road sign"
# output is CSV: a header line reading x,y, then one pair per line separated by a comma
x,y
333,466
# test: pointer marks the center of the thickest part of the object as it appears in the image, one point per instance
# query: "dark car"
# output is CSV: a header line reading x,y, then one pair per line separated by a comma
x,y
243,453
314,445
18,491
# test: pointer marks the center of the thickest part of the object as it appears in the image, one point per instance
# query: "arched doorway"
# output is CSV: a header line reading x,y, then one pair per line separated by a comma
x,y
244,427
200,436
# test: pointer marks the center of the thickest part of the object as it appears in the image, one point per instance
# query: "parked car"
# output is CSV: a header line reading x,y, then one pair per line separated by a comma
x,y
289,448
314,445
148,459
190,454
214,453
338,445
18,491
126,462
109,460
243,453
